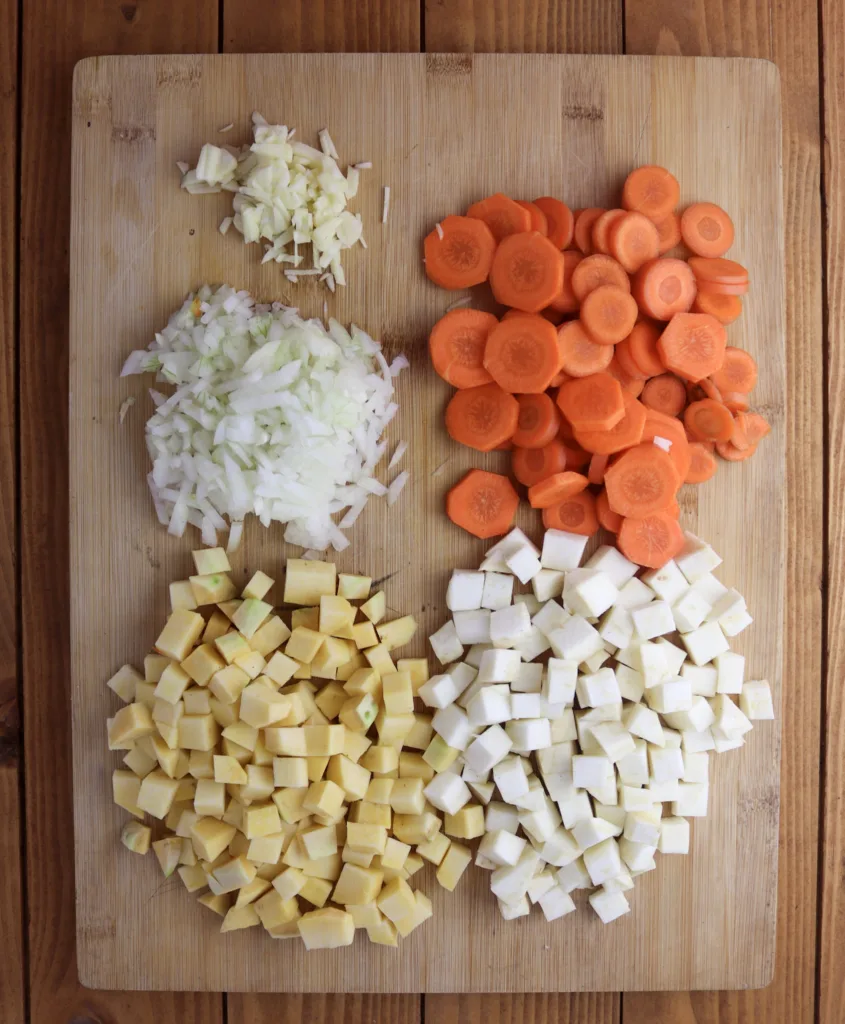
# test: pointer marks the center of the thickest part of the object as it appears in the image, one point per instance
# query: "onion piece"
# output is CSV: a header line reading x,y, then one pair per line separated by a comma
x,y
395,488
401,448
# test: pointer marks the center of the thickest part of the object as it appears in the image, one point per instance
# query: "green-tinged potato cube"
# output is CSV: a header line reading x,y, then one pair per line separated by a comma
x,y
232,645
212,588
270,636
168,852
251,615
208,560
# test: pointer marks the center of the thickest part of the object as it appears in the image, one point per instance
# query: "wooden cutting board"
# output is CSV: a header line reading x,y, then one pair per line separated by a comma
x,y
441,131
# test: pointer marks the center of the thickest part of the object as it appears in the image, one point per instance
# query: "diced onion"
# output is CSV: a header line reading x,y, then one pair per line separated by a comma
x,y
386,205
663,442
401,448
395,488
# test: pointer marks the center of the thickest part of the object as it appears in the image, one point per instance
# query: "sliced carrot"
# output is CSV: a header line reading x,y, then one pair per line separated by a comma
x,y
566,301
559,218
718,270
559,378
651,190
736,288
736,401
595,271
584,228
668,233
642,343
608,314
462,255
663,287
531,465
522,354
709,420
573,515
702,464
482,417
555,489
580,354
539,421
707,230
627,432
502,215
731,453
756,426
598,465
576,457
607,518
692,346
552,315
633,240
505,446
539,221
726,308
666,394
651,541
527,271
484,504
643,480
633,385
710,390
601,230
592,403
626,361
456,345
565,431
672,429
739,436
738,371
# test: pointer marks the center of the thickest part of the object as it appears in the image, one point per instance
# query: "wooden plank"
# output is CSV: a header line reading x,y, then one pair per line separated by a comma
x,y
788,34
418,106
246,1008
55,36
571,1008
12,963
831,982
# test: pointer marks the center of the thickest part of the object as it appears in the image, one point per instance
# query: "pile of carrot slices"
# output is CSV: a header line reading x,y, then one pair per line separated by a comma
x,y
609,376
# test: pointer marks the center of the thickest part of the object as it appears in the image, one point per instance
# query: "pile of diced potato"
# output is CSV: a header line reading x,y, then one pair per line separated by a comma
x,y
286,762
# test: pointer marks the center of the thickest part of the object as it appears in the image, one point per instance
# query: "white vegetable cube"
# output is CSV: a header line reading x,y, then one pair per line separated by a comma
x,y
653,620
734,623
439,691
696,766
697,558
524,564
665,763
631,683
445,644
603,861
559,684
641,828
488,749
617,626
497,591
674,835
511,911
653,664
609,905
598,689
563,728
533,644
613,563
473,657
696,719
591,771
540,885
560,848
592,831
637,856
723,741
676,657
575,640
472,627
508,625
702,678
465,590
447,792
689,611
499,666
530,734
550,617
633,768
668,582
510,778
529,600
711,589
634,594
526,705
502,847
635,798
453,726
541,823
556,903
561,550
623,882
728,717
673,695
691,801
593,596
729,603
730,670
556,758
492,704
755,701
614,739
641,721
698,742
528,679
548,583
573,876
501,816
575,808
511,882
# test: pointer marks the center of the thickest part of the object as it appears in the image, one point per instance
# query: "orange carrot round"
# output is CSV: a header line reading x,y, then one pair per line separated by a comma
x,y
693,345
456,345
584,228
595,271
726,308
531,465
702,464
731,453
527,272
663,287
601,230
657,424
706,229
559,218
482,417
538,422
484,504
559,378
522,354
650,541
709,420
668,233
651,190
566,301
555,489
622,354
736,401
628,382
723,288
709,389
576,457
580,355
462,256
718,270
738,371
608,519
608,314
643,480
598,466
592,403
642,344
756,426
633,240
576,514
539,221
666,394
502,215
627,432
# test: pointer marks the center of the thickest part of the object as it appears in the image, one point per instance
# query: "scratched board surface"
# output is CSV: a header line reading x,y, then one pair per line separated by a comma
x,y
441,131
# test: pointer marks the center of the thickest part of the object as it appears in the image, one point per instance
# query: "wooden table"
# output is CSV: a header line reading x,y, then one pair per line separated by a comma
x,y
40,40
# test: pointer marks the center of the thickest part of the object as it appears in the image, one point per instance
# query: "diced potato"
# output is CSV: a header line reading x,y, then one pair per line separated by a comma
x,y
407,795
319,841
154,665
216,902
453,865
366,838
353,779
359,712
136,837
413,864
380,759
439,754
211,837
397,693
253,664
228,684
315,767
261,820
196,701
260,785
355,745
212,588
323,798
234,874
251,614
397,632
422,912
375,607
156,794
167,852
414,766
357,885
331,655
306,581
336,613
250,892
131,722
307,617
289,883
229,608
198,732
290,804
379,790
468,823
364,681
380,660
303,644
261,707
366,813
217,626
418,670
124,681
435,849
208,560
232,645
182,595
243,755
274,910
316,891
364,635
270,636
139,762
383,933
396,900
326,929
240,917
258,586
331,699
354,588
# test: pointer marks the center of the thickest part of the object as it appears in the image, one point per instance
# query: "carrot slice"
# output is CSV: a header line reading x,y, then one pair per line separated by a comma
x,y
456,345
668,233
576,457
663,287
627,432
527,271
666,394
601,230
584,228
484,504
608,314
502,215
559,378
580,354
726,308
633,240
594,271
592,403
522,354
531,465
627,363
538,423
710,390
723,288
482,417
702,464
651,190
552,315
598,465
651,541
642,343
692,346
462,256
607,518
633,385
756,426
731,453
555,489
539,221
718,270
736,401
641,481
738,371
657,424
573,515
565,430
706,229
709,420
566,301
559,218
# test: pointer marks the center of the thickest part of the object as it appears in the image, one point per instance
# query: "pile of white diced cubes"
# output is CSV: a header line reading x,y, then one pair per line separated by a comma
x,y
575,758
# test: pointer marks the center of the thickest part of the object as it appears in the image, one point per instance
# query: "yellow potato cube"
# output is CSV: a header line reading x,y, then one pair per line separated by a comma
x,y
355,745
197,701
357,885
435,849
383,933
354,588
304,644
157,793
181,595
154,665
421,732
187,820
418,669
139,762
307,617
336,613
316,767
380,760
289,883
172,684
363,681
208,560
258,586
202,663
358,713
224,714
167,757
210,798
251,615
326,929
266,849
375,608
356,661
413,864
136,837
233,814
261,756
298,712
453,865
316,891
165,713
144,691
238,918
395,854
131,722
324,740
439,754
231,645
259,784
366,838
201,764
365,915
230,607
331,655
198,732
406,796
242,755
253,664
167,852
323,797
187,786
261,707
352,778
392,729
331,699
126,787
350,856
188,857
319,841
217,626
280,668
413,766
261,820
415,828
212,588
366,813
397,693
274,910
227,769
468,823
379,790
218,903
123,683
169,733
180,633
422,912
397,632
270,636
289,802
228,684
234,874
238,846
396,900
252,891
307,581
246,736
380,660
290,772
288,741
364,635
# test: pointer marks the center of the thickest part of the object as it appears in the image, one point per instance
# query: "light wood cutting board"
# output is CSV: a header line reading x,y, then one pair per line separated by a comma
x,y
442,131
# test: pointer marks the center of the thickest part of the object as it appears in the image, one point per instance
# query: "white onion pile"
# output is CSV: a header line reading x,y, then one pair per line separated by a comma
x,y
272,415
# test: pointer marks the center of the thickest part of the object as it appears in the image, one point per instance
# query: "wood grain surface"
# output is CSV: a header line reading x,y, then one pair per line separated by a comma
x,y
678,936
788,34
